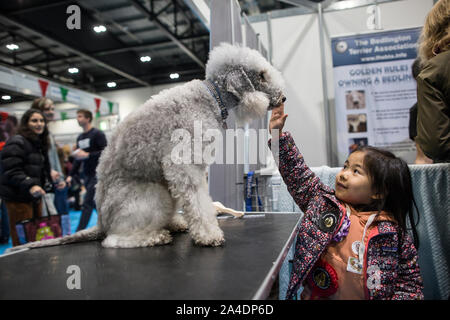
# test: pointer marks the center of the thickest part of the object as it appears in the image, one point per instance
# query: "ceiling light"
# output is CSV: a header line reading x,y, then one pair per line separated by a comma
x,y
100,28
6,97
174,76
12,46
145,59
111,84
73,70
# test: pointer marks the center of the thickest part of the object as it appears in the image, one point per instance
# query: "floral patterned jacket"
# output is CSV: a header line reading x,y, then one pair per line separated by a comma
x,y
388,273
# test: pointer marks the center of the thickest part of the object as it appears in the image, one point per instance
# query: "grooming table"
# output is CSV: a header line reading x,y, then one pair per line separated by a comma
x,y
244,268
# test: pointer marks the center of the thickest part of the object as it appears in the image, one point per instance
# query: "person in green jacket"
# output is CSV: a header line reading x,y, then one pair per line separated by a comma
x,y
433,85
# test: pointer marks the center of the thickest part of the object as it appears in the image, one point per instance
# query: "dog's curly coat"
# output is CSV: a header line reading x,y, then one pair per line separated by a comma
x,y
140,188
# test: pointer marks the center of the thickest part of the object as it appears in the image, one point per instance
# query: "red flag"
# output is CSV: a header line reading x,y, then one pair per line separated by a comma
x,y
43,84
97,104
3,116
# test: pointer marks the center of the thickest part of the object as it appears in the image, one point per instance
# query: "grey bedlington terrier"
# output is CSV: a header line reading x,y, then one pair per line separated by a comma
x,y
140,188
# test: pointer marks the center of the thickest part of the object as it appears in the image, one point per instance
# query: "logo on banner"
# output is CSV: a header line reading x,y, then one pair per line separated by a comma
x,y
341,46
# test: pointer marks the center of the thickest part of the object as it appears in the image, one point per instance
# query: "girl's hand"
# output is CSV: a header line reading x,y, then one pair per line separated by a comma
x,y
36,191
278,118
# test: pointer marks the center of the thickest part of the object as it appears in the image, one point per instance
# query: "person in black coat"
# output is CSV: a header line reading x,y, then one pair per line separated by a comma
x,y
26,170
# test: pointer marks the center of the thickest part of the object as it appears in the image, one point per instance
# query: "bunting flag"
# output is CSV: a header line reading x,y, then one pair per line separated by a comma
x,y
57,91
64,92
4,116
44,85
98,101
63,115
111,106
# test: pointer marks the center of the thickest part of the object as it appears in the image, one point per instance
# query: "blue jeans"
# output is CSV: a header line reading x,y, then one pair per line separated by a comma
x,y
61,203
4,232
88,203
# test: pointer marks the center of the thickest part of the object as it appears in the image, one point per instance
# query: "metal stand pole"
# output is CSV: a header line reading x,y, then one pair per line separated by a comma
x,y
330,160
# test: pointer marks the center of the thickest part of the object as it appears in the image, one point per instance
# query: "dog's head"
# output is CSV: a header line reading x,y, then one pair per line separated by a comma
x,y
249,81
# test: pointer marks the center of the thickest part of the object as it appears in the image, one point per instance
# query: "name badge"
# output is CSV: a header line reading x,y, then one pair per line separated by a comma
x,y
84,144
354,266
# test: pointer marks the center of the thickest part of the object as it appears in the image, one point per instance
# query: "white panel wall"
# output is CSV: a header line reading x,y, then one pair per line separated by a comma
x,y
130,99
296,54
16,108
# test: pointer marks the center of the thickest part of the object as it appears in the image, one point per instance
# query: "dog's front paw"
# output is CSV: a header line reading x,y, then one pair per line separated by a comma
x,y
178,224
212,239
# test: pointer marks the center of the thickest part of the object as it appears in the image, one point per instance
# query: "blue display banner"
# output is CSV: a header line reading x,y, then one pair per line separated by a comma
x,y
375,47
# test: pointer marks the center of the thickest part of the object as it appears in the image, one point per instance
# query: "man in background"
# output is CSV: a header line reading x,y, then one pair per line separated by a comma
x,y
90,145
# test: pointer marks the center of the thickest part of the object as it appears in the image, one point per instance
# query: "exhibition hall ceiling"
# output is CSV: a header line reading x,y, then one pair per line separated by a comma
x,y
127,42
111,44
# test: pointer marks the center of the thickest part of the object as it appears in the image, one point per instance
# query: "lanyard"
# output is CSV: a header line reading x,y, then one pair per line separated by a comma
x,y
362,246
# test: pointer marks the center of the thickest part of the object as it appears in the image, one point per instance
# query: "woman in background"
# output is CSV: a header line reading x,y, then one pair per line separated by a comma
x,y
26,170
433,85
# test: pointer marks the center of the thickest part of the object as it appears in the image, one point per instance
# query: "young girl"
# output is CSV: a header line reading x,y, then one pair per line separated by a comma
x,y
352,241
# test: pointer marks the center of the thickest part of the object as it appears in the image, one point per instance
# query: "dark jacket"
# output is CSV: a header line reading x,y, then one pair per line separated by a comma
x,y
433,113
388,274
24,164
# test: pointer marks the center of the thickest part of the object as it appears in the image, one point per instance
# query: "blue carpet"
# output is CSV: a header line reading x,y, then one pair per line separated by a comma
x,y
74,219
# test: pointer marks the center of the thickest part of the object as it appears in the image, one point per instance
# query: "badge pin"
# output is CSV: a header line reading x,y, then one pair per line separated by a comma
x,y
321,278
354,266
355,247
327,222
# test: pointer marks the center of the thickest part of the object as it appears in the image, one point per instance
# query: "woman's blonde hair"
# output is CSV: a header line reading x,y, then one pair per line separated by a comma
x,y
40,103
435,37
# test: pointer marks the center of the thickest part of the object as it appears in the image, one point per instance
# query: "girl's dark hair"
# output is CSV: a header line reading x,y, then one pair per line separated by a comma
x,y
391,181
26,132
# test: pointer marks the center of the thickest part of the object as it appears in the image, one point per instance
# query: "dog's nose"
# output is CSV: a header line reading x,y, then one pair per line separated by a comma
x,y
283,99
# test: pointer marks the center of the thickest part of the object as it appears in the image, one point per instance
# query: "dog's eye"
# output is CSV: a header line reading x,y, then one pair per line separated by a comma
x,y
262,76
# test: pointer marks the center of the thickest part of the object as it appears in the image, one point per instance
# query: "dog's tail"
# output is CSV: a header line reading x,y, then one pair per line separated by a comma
x,y
90,234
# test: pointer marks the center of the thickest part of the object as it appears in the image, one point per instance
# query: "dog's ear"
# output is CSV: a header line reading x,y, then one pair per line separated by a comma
x,y
238,83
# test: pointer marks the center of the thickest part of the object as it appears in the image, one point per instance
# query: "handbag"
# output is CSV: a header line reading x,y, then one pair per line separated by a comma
x,y
51,226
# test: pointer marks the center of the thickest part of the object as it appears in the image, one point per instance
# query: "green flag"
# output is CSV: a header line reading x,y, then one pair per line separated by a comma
x,y
64,92
111,106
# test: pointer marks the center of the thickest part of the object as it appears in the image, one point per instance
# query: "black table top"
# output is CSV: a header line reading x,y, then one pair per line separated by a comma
x,y
244,268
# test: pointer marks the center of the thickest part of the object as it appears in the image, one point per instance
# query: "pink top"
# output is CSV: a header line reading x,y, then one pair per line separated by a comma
x,y
343,257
